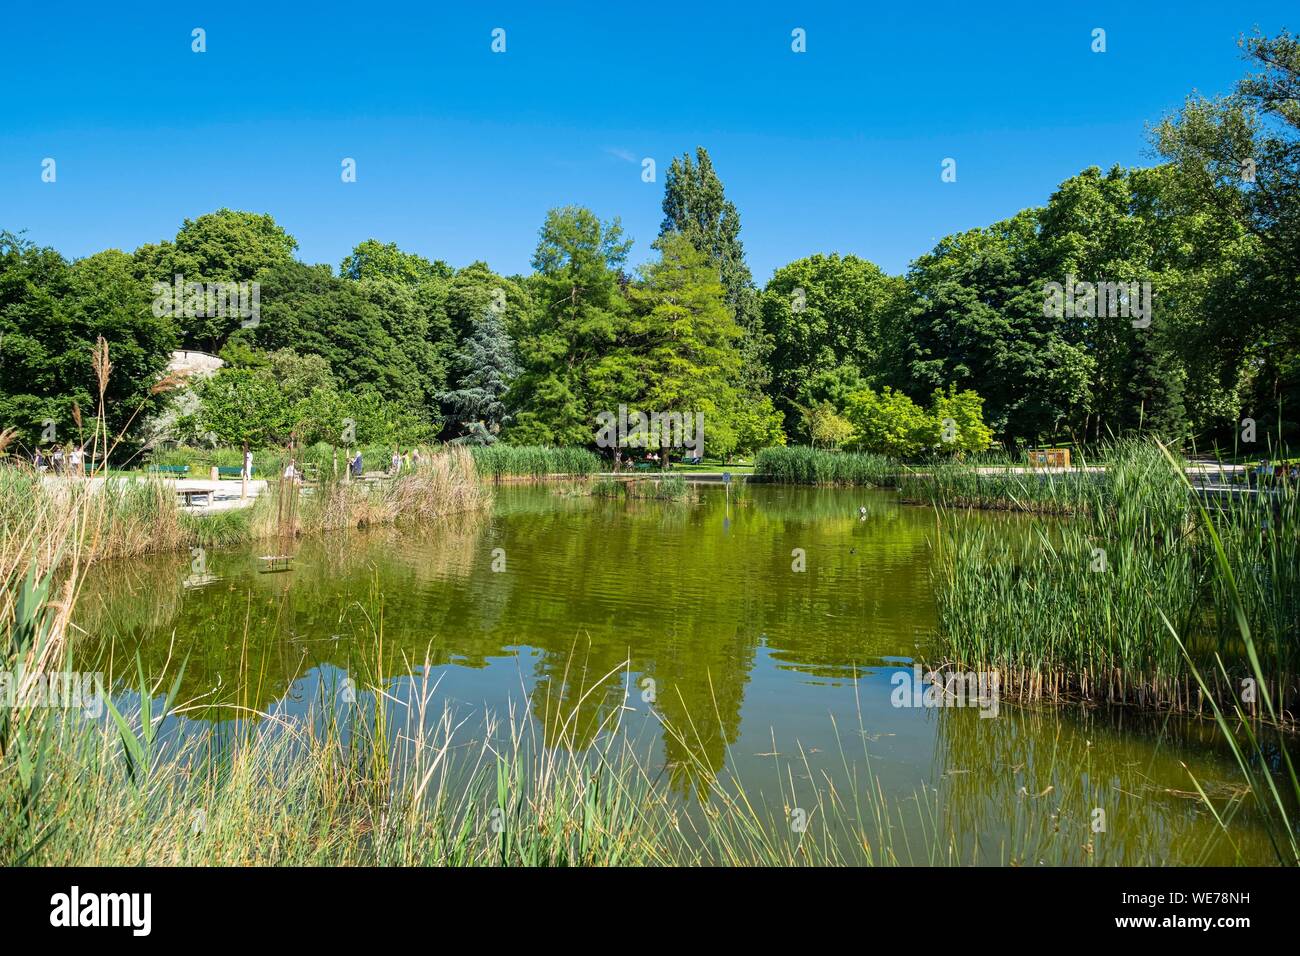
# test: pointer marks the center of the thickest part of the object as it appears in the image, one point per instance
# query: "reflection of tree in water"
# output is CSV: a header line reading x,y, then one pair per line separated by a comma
x,y
268,630
1032,779
578,694
588,584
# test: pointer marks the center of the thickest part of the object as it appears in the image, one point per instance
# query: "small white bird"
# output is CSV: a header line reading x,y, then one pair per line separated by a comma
x,y
862,511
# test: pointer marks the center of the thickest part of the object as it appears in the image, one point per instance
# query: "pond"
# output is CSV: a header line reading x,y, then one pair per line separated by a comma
x,y
769,622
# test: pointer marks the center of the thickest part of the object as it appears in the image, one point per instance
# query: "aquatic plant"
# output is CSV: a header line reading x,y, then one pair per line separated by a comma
x,y
533,461
799,464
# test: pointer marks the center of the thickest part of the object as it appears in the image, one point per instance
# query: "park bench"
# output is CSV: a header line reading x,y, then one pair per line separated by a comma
x,y
644,465
693,461
229,471
191,494
171,469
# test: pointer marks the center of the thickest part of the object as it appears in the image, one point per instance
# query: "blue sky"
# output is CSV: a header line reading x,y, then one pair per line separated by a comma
x,y
461,151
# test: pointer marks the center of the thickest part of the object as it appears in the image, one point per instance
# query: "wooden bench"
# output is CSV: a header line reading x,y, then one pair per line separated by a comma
x,y
190,494
232,471
1049,458
171,469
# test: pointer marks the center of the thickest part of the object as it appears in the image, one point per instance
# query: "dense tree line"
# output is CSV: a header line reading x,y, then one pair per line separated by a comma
x,y
1177,289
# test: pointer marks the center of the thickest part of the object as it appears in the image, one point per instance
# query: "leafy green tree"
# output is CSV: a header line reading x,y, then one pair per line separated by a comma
x,y
1236,163
369,332
958,421
888,423
51,315
678,353
1152,390
695,205
758,425
406,319
221,246
238,405
373,259
579,315
978,321
475,289
825,426
827,313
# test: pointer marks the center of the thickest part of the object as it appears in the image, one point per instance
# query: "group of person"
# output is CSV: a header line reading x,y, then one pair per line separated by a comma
x,y
1266,473
400,462
397,463
631,461
70,459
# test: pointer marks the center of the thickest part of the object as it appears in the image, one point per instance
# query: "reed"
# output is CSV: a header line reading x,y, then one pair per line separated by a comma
x,y
1077,609
396,776
801,465
134,516
533,461
667,488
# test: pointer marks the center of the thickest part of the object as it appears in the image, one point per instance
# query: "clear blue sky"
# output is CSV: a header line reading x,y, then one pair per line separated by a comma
x,y
460,151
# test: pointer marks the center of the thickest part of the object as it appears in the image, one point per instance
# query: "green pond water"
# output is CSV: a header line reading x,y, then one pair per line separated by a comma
x,y
784,678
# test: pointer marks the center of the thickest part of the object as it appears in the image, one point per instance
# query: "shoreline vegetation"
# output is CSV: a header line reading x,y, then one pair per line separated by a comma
x,y
1128,597
126,517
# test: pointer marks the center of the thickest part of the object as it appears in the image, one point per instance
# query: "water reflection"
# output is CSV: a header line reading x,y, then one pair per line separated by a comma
x,y
693,611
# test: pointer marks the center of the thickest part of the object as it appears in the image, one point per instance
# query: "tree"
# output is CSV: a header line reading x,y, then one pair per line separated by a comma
x,y
486,366
695,205
410,293
1236,162
238,405
373,259
1152,390
823,313
825,426
579,315
679,352
888,423
51,315
978,321
958,420
758,425
369,332
221,246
